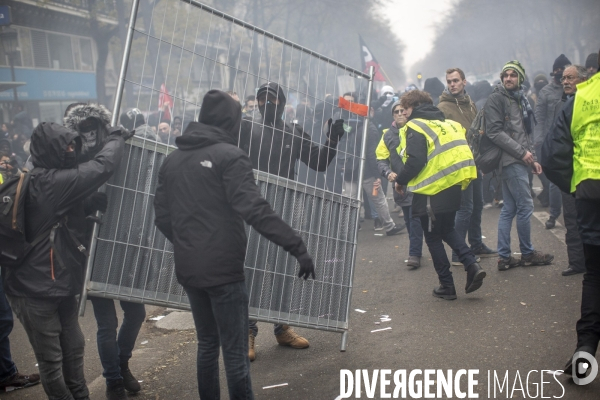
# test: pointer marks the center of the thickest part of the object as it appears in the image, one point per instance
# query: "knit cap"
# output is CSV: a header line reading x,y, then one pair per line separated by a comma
x,y
517,67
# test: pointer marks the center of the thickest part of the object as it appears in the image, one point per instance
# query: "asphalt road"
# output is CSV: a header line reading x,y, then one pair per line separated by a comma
x,y
521,320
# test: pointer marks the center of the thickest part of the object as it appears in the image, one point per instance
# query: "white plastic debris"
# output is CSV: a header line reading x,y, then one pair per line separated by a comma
x,y
359,310
378,234
144,342
386,319
274,386
382,329
157,318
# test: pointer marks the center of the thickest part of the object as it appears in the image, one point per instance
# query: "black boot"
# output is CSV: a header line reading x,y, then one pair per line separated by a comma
x,y
115,390
475,275
445,292
131,384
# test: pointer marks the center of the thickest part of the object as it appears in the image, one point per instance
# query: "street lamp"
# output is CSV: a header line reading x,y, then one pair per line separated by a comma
x,y
419,77
10,44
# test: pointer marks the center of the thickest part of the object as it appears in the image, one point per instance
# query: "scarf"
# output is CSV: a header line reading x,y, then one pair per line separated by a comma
x,y
528,115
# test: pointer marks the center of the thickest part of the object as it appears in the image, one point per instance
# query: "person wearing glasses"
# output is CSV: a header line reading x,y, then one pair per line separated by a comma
x,y
545,106
509,123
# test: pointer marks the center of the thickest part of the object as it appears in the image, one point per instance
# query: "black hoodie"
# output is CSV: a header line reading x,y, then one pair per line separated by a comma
x,y
55,195
275,147
206,190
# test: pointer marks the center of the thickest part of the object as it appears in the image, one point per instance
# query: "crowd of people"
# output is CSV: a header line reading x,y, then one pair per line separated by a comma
x,y
417,141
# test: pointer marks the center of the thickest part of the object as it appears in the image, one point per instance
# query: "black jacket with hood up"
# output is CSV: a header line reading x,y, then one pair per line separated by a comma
x,y
206,190
56,194
416,149
275,147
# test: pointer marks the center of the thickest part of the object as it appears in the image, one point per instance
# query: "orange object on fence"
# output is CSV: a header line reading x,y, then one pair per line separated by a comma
x,y
356,108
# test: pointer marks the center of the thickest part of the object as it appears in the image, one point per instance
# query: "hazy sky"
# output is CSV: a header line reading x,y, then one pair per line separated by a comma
x,y
414,23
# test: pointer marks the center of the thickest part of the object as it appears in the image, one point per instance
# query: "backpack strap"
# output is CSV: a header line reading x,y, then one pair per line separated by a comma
x,y
17,198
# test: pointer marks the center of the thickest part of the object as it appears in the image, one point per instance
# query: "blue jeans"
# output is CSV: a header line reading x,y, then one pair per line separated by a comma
x,y
443,231
415,232
517,202
53,330
116,350
555,200
468,218
277,328
221,318
7,366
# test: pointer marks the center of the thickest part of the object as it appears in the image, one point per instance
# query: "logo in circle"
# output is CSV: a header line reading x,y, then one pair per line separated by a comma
x,y
585,368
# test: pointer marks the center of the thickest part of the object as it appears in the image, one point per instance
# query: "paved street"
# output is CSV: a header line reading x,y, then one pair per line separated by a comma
x,y
520,320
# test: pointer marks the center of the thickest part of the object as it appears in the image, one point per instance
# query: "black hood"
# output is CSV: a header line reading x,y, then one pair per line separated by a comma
x,y
6,141
49,143
272,113
219,122
93,140
434,87
275,89
427,111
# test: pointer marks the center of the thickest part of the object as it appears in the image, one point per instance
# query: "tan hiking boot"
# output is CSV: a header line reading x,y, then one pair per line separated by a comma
x,y
290,338
251,353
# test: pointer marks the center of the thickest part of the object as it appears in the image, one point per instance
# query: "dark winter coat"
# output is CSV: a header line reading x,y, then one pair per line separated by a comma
x,y
57,195
545,108
416,149
206,190
511,136
277,148
458,108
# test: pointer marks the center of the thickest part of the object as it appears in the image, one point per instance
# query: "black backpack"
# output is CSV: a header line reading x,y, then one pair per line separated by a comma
x,y
486,154
13,245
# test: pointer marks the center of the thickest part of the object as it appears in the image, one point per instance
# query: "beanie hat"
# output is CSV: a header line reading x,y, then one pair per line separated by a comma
x,y
396,104
386,89
591,61
561,62
517,67
540,77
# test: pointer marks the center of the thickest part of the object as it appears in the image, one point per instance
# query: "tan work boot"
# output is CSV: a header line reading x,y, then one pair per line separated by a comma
x,y
251,353
290,338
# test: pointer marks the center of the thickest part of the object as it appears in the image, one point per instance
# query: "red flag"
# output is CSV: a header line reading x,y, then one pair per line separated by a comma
x,y
368,60
165,102
356,108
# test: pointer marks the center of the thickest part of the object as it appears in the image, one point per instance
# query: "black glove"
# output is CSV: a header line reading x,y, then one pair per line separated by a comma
x,y
121,131
96,201
336,130
307,267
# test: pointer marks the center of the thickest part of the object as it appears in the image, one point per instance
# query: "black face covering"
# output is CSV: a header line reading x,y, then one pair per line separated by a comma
x,y
270,112
558,76
70,160
93,135
539,85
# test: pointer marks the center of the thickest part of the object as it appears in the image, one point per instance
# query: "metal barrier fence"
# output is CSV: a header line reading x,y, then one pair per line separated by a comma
x,y
180,51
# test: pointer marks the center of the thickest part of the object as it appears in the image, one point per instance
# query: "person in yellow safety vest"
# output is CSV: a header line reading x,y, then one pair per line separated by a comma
x,y
389,163
571,154
438,164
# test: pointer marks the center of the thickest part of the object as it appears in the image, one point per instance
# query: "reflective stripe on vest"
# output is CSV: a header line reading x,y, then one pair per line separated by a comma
x,y
585,129
449,160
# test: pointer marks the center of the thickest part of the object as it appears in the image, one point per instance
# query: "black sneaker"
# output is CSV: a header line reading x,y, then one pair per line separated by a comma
x,y
483,251
19,381
396,230
551,223
456,262
115,390
413,262
475,275
536,258
445,292
504,264
377,224
129,382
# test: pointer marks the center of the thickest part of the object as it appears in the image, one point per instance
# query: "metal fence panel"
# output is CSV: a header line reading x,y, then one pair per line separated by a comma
x,y
176,51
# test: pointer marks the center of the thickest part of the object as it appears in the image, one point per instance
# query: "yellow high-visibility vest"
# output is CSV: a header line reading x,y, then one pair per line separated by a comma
x,y
585,129
449,158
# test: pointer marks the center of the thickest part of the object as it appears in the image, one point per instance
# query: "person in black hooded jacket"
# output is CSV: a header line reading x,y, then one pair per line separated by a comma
x,y
276,147
42,290
206,190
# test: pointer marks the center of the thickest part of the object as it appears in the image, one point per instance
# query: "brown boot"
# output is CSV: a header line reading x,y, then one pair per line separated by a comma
x,y
290,338
251,353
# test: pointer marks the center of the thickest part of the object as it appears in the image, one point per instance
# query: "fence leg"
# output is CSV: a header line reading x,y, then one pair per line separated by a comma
x,y
344,341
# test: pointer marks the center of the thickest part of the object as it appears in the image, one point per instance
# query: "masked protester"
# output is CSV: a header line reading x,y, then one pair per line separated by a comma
x,y
275,147
92,122
42,290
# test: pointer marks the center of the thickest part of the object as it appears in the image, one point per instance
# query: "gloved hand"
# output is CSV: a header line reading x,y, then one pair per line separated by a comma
x,y
307,267
96,201
335,130
119,130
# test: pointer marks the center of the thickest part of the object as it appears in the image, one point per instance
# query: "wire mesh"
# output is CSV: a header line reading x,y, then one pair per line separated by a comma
x,y
178,51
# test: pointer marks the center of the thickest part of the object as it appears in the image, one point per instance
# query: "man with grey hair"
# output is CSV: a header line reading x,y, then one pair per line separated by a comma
x,y
572,76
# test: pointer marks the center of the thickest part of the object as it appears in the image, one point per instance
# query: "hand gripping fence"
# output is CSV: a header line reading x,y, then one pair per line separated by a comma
x,y
176,51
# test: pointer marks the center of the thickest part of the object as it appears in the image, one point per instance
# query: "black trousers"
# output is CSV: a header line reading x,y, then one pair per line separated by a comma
x,y
588,326
442,230
572,238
